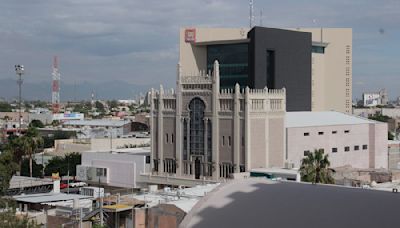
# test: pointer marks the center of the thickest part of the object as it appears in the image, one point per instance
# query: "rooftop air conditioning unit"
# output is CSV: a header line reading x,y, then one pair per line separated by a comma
x,y
289,165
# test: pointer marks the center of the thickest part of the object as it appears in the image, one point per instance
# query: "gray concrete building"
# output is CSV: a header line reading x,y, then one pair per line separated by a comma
x,y
201,131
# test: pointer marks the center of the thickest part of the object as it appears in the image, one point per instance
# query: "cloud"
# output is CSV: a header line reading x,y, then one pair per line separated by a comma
x,y
137,41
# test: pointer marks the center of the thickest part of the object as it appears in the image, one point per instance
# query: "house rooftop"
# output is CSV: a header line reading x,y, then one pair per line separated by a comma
x,y
48,197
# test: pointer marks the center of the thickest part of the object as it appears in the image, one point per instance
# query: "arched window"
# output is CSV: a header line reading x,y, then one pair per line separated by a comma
x,y
196,108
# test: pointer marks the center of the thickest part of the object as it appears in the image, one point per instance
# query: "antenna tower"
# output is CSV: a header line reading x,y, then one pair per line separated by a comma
x,y
251,16
55,98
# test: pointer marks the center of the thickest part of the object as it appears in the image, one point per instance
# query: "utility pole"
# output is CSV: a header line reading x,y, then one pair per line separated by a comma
x,y
19,70
100,206
68,174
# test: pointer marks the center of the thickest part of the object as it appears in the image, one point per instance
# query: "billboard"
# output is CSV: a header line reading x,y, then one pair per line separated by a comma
x,y
371,99
68,116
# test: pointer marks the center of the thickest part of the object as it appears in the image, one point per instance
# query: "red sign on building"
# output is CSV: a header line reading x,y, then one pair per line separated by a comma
x,y
190,35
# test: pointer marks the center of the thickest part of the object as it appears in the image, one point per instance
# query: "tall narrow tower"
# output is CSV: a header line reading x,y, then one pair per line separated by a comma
x,y
55,99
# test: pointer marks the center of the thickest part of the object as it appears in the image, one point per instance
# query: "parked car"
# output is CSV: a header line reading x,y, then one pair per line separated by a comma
x,y
77,184
63,185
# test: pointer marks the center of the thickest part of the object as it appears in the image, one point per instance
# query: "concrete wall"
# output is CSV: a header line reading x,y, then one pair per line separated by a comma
x,y
359,135
380,142
276,142
258,143
103,144
394,154
169,128
63,146
226,131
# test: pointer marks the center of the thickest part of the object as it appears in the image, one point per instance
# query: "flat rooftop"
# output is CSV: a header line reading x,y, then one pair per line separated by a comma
x,y
48,197
313,119
24,182
257,202
133,151
100,122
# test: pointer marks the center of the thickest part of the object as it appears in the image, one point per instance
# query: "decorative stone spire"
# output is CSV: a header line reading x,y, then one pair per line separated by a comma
x,y
178,73
216,75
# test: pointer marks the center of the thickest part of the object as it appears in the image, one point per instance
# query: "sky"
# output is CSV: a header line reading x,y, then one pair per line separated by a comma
x,y
137,41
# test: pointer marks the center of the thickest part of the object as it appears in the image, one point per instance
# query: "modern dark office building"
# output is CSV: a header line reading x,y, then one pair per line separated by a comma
x,y
270,57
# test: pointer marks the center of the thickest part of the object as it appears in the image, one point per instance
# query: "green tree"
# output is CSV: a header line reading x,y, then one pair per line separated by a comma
x,y
390,136
55,123
113,104
315,168
36,124
8,219
31,142
16,146
99,106
8,167
36,168
379,117
62,164
5,107
48,141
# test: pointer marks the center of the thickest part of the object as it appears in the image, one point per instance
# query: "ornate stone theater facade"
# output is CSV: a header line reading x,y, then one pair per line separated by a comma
x,y
201,131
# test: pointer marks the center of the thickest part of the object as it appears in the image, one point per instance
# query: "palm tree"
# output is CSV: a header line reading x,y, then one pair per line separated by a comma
x,y
30,144
315,168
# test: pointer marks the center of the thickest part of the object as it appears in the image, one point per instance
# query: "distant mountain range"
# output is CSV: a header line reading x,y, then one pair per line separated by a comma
x,y
70,92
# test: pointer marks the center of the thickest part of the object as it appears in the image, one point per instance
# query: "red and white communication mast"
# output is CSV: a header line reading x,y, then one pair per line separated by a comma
x,y
55,95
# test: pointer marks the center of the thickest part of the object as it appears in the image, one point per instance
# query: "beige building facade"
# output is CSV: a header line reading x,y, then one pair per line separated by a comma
x,y
201,131
332,69
331,73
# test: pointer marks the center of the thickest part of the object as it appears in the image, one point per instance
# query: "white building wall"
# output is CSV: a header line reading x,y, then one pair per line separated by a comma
x,y
358,135
123,169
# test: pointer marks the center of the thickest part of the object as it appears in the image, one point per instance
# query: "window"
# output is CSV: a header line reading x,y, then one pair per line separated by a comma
x,y
334,150
365,147
101,172
172,138
346,148
356,147
147,159
306,134
306,152
196,127
166,137
270,58
318,49
346,131
223,140
233,63
320,133
334,132
229,140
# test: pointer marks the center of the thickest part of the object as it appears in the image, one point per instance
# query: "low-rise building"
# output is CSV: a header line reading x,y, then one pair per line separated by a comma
x,y
102,128
119,168
349,140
